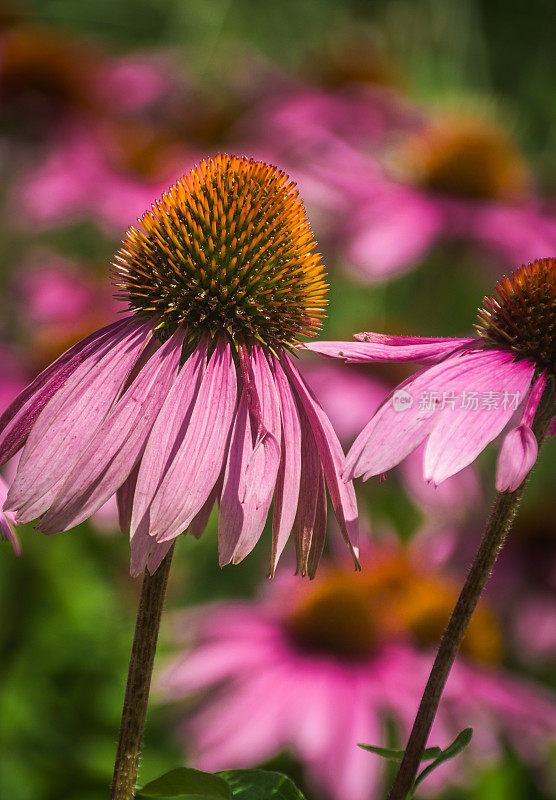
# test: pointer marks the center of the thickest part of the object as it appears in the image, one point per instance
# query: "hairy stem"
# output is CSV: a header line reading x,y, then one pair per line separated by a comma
x,y
498,526
139,675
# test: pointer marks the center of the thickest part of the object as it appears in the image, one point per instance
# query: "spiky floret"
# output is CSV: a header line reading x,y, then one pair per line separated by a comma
x,y
521,316
227,248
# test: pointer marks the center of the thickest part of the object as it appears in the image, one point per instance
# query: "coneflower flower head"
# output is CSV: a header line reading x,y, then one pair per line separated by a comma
x,y
470,388
521,316
193,398
227,248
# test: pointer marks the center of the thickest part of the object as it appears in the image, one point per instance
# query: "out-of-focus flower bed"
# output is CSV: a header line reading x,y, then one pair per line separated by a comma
x,y
420,139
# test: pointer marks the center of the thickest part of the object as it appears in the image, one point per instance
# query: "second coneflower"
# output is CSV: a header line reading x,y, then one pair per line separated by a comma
x,y
193,398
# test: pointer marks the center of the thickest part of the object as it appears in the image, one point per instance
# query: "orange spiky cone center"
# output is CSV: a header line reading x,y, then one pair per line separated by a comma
x,y
521,316
227,248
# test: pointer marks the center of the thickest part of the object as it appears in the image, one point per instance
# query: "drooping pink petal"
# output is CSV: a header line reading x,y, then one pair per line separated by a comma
x,y
69,421
319,530
376,347
252,467
7,521
520,448
428,403
332,457
118,443
311,476
18,419
166,437
533,400
231,516
289,473
124,499
189,479
460,434
146,553
516,458
261,470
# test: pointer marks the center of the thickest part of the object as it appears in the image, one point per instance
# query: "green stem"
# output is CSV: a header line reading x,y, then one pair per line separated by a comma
x,y
139,675
498,526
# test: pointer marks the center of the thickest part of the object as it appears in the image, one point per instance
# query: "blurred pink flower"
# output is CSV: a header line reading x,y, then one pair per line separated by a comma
x,y
314,669
469,390
77,180
60,303
386,180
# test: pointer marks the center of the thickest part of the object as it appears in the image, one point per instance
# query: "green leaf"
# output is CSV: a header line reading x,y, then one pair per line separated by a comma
x,y
460,742
188,784
258,784
397,755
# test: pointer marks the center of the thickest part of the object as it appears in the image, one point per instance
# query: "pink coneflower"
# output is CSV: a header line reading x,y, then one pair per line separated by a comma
x,y
193,398
470,388
317,668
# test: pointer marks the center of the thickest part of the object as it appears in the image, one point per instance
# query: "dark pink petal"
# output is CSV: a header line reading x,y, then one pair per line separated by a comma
x,y
124,499
289,473
332,457
375,347
188,481
118,443
460,434
69,421
516,458
533,400
18,419
319,530
166,437
552,427
311,477
200,521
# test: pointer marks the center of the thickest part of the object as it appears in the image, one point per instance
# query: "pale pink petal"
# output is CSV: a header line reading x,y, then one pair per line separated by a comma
x,y
231,517
7,521
146,553
331,454
166,437
260,474
516,458
460,434
18,419
189,479
118,443
375,347
69,421
289,473
429,403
